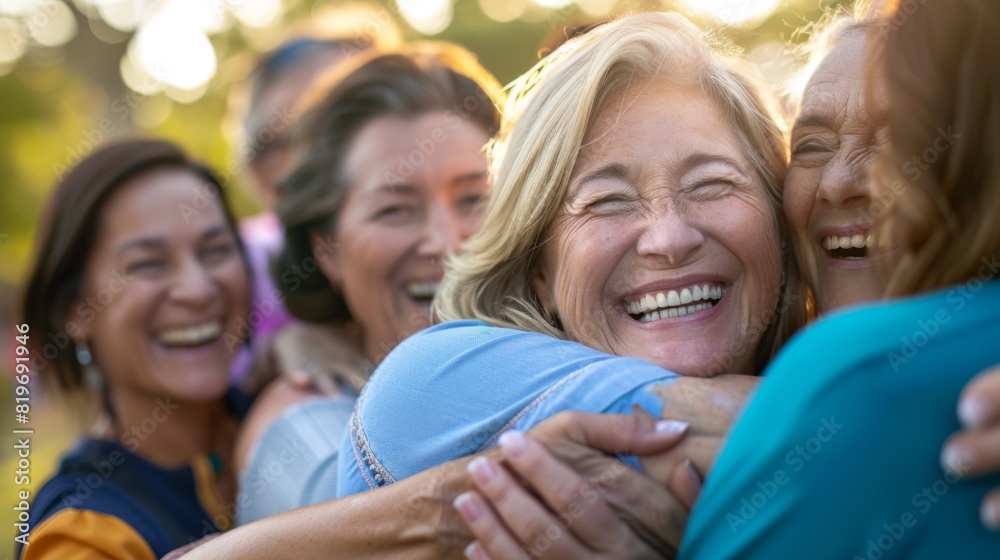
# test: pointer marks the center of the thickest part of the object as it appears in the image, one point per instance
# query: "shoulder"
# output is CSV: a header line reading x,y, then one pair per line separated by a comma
x,y
450,390
841,437
275,400
73,533
294,461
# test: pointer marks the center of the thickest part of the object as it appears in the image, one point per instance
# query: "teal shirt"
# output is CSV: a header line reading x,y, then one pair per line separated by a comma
x,y
838,453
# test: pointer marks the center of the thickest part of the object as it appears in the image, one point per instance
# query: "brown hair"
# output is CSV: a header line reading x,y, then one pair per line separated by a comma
x,y
943,76
66,239
418,79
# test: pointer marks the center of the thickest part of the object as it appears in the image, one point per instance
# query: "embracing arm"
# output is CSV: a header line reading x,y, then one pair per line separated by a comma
x,y
411,519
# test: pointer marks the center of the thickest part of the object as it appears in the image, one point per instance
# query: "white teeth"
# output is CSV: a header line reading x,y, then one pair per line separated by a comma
x,y
675,304
193,336
426,290
673,300
857,241
674,312
686,296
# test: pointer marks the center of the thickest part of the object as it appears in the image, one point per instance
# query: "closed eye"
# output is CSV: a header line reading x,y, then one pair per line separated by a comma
x,y
145,266
610,203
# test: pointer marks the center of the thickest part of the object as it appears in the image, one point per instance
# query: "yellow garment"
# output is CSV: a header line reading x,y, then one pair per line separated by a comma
x,y
73,534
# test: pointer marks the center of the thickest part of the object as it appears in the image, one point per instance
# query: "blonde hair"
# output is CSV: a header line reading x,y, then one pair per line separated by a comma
x,y
549,112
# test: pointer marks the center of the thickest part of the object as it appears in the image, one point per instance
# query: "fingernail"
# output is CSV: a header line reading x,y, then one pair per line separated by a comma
x,y
991,514
972,412
482,470
693,471
470,550
956,459
512,443
467,506
672,426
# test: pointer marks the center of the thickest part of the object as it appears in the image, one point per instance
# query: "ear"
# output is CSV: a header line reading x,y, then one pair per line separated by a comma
x,y
324,250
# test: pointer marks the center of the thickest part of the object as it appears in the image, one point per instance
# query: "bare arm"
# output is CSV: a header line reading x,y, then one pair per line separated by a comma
x,y
411,519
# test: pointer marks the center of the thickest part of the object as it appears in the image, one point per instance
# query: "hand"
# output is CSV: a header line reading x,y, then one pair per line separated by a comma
x,y
976,450
711,405
321,357
600,508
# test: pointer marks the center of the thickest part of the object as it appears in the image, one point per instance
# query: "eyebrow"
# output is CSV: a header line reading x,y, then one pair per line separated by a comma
x,y
468,177
151,243
812,119
704,158
612,171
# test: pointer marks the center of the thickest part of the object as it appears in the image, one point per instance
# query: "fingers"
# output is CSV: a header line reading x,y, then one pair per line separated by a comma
x,y
685,483
979,404
990,511
578,504
494,540
633,434
972,453
509,521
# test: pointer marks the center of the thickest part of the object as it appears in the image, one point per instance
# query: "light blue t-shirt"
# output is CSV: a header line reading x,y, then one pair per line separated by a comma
x,y
451,390
294,463
837,455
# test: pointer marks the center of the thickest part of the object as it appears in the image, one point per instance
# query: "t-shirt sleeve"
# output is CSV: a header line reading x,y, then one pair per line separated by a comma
x,y
74,534
295,463
452,390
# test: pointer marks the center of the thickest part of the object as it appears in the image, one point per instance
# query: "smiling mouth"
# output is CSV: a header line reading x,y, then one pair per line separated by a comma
x,y
673,303
847,247
190,337
423,293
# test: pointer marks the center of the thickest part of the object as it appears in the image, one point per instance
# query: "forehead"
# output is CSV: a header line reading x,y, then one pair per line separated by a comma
x,y
163,202
841,77
659,119
413,148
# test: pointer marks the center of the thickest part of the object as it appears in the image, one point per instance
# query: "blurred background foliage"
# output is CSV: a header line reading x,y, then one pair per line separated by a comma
x,y
76,73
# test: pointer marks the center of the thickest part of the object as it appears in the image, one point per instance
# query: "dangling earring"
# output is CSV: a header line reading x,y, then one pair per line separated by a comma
x,y
91,376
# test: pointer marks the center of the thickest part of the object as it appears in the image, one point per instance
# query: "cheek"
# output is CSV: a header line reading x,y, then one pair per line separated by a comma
x,y
753,237
234,279
588,252
799,196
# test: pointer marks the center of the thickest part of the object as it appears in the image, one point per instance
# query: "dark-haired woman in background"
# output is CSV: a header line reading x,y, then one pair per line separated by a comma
x,y
390,180
151,297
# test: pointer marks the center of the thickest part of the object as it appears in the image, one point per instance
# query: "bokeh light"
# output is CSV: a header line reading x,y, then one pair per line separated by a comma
x,y
51,24
733,12
503,10
429,17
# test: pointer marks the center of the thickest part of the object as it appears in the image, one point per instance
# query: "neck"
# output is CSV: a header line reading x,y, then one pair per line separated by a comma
x,y
168,432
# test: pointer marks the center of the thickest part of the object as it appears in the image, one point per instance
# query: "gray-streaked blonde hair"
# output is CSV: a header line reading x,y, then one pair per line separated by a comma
x,y
548,115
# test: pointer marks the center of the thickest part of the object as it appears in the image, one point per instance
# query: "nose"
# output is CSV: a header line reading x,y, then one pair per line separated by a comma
x,y
443,232
845,181
193,284
670,237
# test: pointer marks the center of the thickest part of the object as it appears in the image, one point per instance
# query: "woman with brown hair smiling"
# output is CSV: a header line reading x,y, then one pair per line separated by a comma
x,y
151,298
